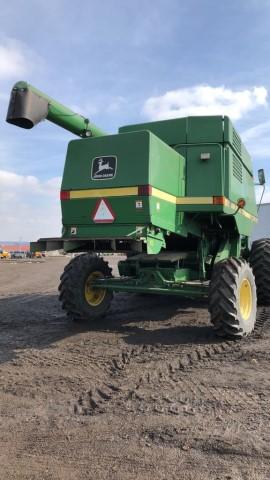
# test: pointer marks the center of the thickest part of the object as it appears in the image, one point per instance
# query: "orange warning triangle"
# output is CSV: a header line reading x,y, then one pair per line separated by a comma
x,y
103,212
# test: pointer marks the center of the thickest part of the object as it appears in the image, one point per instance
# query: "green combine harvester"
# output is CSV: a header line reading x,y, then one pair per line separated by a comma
x,y
176,196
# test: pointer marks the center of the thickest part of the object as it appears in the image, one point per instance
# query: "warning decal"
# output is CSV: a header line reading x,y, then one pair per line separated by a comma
x,y
103,212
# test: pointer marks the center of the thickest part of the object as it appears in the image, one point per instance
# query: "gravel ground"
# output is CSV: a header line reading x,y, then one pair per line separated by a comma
x,y
146,393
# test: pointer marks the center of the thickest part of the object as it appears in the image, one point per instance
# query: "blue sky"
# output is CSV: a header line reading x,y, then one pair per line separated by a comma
x,y
120,62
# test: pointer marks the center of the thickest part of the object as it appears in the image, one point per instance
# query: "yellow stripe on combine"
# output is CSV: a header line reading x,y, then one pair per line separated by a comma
x,y
248,215
181,200
104,192
163,195
194,201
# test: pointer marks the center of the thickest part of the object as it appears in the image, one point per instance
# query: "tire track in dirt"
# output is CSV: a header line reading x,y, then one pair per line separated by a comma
x,y
126,380
229,442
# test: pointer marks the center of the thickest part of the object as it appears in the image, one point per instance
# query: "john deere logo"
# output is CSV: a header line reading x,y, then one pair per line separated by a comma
x,y
103,168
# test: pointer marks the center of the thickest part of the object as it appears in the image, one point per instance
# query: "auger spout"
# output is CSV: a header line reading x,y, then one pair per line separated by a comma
x,y
28,106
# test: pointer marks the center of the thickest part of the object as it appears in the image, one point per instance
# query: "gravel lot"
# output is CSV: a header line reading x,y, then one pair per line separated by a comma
x,y
146,393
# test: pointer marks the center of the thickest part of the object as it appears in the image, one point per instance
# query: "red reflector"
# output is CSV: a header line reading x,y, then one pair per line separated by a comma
x,y
219,200
64,195
145,190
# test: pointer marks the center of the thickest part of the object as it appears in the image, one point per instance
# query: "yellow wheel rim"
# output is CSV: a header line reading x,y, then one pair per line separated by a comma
x,y
245,299
94,296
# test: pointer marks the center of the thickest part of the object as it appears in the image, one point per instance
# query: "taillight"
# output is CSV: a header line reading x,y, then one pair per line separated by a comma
x,y
241,203
64,195
145,190
219,200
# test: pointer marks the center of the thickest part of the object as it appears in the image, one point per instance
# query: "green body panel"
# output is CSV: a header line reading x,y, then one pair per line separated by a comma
x,y
203,178
80,212
170,131
141,156
204,129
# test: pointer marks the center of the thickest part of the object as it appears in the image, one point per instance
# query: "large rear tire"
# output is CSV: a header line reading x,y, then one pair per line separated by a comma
x,y
232,298
260,262
79,299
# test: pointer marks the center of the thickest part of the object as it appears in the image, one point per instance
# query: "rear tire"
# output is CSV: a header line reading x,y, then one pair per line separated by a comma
x,y
78,298
260,262
233,298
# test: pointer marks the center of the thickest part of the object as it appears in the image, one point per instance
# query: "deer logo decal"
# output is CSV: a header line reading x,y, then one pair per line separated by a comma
x,y
103,168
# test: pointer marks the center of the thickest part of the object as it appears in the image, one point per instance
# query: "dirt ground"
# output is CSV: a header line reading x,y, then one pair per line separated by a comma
x,y
146,393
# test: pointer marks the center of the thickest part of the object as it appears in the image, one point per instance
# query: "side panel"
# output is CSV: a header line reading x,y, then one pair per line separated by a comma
x,y
239,184
166,168
163,213
204,178
232,137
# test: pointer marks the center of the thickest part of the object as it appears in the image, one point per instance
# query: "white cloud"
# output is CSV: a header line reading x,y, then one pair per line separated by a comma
x,y
17,59
205,100
257,140
256,132
28,183
116,104
29,208
105,104
86,110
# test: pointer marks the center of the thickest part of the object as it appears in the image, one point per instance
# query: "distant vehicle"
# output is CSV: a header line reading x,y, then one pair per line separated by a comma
x,y
4,254
17,254
38,255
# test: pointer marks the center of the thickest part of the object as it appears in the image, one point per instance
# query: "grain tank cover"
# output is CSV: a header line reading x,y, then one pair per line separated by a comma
x,y
197,130
144,176
184,130
26,109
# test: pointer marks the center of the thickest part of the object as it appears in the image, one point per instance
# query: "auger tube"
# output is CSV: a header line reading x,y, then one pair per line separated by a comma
x,y
28,106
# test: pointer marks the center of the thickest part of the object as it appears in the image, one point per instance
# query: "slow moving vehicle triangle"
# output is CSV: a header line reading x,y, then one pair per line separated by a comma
x,y
103,212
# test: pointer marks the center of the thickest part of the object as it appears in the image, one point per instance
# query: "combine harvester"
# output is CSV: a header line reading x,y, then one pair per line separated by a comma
x,y
176,196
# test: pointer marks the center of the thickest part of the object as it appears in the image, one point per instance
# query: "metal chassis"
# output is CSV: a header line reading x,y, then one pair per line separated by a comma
x,y
193,289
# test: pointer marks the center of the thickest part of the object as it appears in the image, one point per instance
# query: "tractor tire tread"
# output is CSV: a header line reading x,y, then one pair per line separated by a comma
x,y
68,289
260,263
223,298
